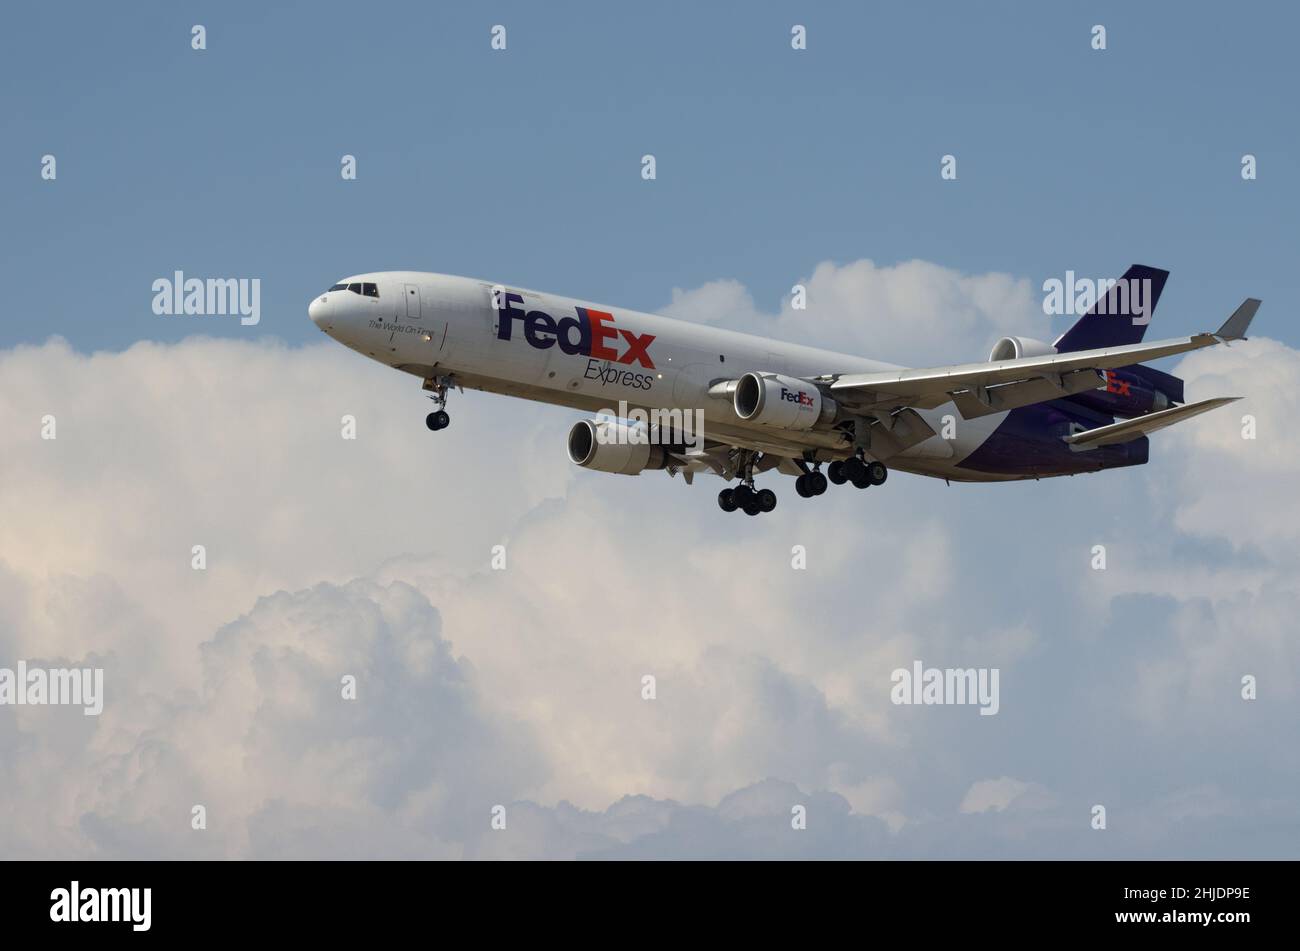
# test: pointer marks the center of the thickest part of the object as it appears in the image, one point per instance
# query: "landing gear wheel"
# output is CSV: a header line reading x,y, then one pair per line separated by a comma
x,y
877,473
854,469
803,485
438,388
836,472
743,495
862,481
752,507
816,482
766,500
727,500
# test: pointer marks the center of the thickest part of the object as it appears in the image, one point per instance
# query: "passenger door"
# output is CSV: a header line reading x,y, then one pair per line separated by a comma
x,y
411,308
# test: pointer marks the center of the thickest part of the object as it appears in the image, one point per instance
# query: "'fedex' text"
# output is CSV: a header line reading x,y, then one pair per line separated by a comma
x,y
591,333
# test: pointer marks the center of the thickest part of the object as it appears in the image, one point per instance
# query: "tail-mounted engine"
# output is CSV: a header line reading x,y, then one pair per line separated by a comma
x,y
1012,348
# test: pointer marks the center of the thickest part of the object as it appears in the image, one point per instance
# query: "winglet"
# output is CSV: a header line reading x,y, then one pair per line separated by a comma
x,y
1235,327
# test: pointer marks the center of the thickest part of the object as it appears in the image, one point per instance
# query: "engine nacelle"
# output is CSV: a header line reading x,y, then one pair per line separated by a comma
x,y
1012,348
613,446
781,401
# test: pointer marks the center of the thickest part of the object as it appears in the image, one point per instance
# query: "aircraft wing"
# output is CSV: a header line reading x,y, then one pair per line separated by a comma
x,y
981,388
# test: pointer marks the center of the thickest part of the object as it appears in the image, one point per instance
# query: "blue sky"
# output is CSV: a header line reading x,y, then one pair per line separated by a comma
x,y
523,165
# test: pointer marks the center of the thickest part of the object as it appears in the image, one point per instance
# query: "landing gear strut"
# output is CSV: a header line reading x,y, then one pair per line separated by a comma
x,y
438,387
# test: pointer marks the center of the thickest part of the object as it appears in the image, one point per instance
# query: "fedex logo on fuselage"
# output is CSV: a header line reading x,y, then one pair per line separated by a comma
x,y
796,396
1117,384
590,333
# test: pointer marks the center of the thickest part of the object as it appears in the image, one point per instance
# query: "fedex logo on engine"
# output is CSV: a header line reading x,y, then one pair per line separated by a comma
x,y
591,333
796,396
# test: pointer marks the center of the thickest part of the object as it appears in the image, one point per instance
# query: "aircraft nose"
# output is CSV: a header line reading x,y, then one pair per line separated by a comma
x,y
317,311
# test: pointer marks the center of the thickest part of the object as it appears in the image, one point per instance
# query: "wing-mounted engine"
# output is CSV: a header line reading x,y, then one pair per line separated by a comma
x,y
781,401
614,446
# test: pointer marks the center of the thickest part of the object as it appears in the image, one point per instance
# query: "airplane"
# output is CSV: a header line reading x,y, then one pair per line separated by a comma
x,y
1033,410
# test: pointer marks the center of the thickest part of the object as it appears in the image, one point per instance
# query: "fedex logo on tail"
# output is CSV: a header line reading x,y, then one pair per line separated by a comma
x,y
592,333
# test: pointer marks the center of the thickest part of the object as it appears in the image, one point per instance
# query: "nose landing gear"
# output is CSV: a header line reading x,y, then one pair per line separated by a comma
x,y
438,387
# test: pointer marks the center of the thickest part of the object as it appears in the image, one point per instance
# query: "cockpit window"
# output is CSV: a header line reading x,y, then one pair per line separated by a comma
x,y
356,288
369,290
339,287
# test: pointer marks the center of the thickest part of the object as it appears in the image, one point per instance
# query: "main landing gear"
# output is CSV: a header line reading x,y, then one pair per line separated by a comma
x,y
856,470
860,473
811,483
438,387
749,500
745,497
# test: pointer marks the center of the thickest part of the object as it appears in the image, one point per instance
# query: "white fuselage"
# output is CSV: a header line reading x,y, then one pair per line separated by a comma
x,y
570,352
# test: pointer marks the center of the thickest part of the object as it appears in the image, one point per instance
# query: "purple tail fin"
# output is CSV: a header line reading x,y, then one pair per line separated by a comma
x,y
1121,316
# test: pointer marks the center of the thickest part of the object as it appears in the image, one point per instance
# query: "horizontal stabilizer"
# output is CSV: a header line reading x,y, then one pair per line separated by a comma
x,y
1131,429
